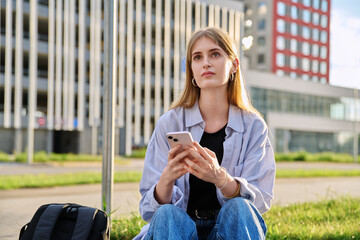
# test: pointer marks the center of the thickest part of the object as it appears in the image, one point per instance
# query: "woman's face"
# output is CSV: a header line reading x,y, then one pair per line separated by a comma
x,y
210,64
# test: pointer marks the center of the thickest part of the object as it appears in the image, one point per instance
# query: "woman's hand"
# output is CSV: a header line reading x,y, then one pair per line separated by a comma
x,y
176,165
173,171
205,165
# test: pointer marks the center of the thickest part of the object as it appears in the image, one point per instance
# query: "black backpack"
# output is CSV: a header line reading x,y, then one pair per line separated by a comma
x,y
67,221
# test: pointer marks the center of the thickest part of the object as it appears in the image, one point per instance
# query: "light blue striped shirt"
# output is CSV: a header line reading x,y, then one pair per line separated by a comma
x,y
248,157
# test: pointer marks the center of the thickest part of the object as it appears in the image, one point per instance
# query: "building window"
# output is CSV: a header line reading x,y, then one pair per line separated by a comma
x,y
293,75
295,1
315,79
280,26
248,24
315,66
294,29
323,37
261,41
316,18
315,34
261,59
280,43
323,80
281,9
280,73
316,4
293,62
247,42
293,45
305,77
306,48
323,68
262,8
324,5
324,21
305,64
315,50
261,25
306,32
280,59
307,3
323,52
294,12
306,16
248,11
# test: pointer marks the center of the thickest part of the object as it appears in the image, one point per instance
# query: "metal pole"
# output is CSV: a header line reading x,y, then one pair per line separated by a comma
x,y
109,102
32,82
356,136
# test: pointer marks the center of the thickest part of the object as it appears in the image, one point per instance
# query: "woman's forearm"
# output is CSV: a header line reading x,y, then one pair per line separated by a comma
x,y
229,186
163,189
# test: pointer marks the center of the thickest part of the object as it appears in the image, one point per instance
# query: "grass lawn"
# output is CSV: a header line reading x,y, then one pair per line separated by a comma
x,y
331,219
67,179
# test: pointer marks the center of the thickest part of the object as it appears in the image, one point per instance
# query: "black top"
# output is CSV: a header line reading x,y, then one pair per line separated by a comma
x,y
203,194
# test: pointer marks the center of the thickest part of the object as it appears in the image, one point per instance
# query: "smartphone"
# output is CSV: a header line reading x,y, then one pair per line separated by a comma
x,y
184,138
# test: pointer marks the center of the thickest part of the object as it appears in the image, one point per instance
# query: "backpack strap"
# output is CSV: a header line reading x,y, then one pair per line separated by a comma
x,y
84,222
47,221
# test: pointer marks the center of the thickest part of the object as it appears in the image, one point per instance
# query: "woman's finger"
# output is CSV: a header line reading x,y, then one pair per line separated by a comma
x,y
173,151
197,157
179,156
202,152
191,167
211,153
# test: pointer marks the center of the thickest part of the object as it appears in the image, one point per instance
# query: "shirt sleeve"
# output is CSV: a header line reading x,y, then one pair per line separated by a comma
x,y
155,161
258,172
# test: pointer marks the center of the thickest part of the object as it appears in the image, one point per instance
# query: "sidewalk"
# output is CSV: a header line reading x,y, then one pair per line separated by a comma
x,y
18,206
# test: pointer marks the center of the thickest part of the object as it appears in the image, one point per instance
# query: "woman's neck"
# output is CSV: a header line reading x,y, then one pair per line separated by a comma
x,y
214,108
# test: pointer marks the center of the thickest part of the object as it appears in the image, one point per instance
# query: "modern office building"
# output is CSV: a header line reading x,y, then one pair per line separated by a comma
x,y
51,67
51,55
288,37
306,116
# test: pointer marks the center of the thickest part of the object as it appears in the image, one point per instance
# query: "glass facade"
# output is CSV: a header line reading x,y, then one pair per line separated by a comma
x,y
278,101
265,100
293,141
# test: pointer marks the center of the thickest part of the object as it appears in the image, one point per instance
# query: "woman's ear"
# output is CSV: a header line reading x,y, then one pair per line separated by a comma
x,y
235,63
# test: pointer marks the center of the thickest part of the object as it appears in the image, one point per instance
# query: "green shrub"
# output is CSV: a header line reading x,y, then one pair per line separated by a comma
x,y
300,156
21,157
314,157
4,157
126,228
137,153
58,157
41,157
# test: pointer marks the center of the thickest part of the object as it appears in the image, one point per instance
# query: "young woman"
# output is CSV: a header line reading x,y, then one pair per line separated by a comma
x,y
219,187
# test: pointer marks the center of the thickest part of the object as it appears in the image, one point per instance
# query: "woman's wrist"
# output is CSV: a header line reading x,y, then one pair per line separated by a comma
x,y
224,178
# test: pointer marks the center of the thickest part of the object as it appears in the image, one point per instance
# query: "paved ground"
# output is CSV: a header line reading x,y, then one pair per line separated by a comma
x,y
18,206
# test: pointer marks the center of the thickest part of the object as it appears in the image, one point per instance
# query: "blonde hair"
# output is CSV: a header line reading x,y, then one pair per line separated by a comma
x,y
237,94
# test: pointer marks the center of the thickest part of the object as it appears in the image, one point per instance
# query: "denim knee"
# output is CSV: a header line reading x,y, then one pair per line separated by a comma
x,y
236,204
240,212
171,222
167,210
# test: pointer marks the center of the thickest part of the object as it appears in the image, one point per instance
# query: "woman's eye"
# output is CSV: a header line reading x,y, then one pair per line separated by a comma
x,y
215,54
197,57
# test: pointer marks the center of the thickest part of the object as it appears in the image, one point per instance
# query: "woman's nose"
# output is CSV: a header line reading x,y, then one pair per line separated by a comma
x,y
206,63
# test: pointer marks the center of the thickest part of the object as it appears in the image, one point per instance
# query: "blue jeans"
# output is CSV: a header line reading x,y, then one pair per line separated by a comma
x,y
237,219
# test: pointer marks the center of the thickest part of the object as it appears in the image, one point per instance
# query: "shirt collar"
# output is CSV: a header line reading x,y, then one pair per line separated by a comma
x,y
235,120
193,116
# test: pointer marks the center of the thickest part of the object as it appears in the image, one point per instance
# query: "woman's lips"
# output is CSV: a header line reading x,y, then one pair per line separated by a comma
x,y
207,74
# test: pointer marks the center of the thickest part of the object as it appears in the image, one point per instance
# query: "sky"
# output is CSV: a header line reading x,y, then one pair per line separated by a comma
x,y
345,43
